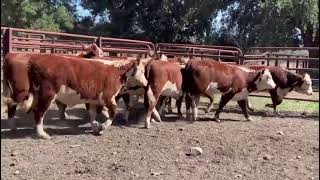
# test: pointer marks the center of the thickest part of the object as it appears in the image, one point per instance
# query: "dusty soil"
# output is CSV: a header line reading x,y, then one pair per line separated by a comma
x,y
266,148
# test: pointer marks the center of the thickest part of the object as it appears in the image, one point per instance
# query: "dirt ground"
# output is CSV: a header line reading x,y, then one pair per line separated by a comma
x,y
266,148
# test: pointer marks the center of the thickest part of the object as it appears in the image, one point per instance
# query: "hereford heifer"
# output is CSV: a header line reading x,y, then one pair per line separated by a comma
x,y
72,80
286,82
15,69
164,78
208,77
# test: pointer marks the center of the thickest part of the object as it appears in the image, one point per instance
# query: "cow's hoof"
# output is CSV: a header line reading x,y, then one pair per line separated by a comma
x,y
64,117
217,120
12,127
249,119
43,136
180,115
251,109
95,126
269,105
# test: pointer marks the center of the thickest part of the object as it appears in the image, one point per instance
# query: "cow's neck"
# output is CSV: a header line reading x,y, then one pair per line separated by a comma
x,y
252,77
293,80
123,70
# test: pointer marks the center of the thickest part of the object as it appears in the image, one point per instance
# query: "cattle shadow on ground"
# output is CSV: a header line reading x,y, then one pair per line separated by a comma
x,y
266,113
30,132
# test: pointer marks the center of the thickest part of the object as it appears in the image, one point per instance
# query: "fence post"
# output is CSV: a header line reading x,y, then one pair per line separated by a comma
x,y
7,41
99,42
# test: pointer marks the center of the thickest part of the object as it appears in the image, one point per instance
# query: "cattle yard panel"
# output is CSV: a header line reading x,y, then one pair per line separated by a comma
x,y
23,40
125,47
227,54
295,59
34,41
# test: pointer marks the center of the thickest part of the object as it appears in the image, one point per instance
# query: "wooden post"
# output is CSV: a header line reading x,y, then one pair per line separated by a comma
x,y
7,41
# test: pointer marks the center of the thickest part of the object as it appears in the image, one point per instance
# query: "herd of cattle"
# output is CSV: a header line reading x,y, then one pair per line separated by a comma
x,y
33,81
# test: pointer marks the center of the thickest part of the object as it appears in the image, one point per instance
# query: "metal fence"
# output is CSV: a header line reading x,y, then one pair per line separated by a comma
x,y
227,54
30,41
24,40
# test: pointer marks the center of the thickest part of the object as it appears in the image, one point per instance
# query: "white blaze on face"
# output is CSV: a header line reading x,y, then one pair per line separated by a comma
x,y
212,88
136,77
265,80
170,89
306,87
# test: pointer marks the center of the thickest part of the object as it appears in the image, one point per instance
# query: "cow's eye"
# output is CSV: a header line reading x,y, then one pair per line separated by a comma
x,y
259,79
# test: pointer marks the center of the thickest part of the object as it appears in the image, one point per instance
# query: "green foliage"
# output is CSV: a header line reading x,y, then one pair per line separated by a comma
x,y
156,20
270,23
253,22
35,14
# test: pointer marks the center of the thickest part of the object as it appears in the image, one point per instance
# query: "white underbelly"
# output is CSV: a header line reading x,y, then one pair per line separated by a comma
x,y
170,89
70,97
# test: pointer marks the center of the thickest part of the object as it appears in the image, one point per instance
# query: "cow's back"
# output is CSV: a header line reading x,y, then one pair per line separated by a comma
x,y
86,77
200,73
164,71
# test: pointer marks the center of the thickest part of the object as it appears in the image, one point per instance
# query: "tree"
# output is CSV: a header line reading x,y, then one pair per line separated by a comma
x,y
156,20
270,23
35,14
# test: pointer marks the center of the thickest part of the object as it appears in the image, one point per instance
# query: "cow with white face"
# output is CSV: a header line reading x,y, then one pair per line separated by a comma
x,y
208,77
286,82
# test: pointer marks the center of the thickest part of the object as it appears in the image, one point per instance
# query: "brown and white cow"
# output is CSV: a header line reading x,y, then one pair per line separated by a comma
x,y
72,80
208,77
286,82
164,78
15,69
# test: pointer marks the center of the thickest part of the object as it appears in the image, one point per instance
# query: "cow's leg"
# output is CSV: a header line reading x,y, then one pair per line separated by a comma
x,y
151,100
87,106
162,103
210,105
188,105
111,104
40,110
276,100
11,120
243,106
62,110
169,105
194,105
225,98
179,104
92,117
127,99
249,105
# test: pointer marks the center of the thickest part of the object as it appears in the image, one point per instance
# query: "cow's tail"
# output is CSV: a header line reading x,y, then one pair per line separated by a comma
x,y
6,86
186,76
14,91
